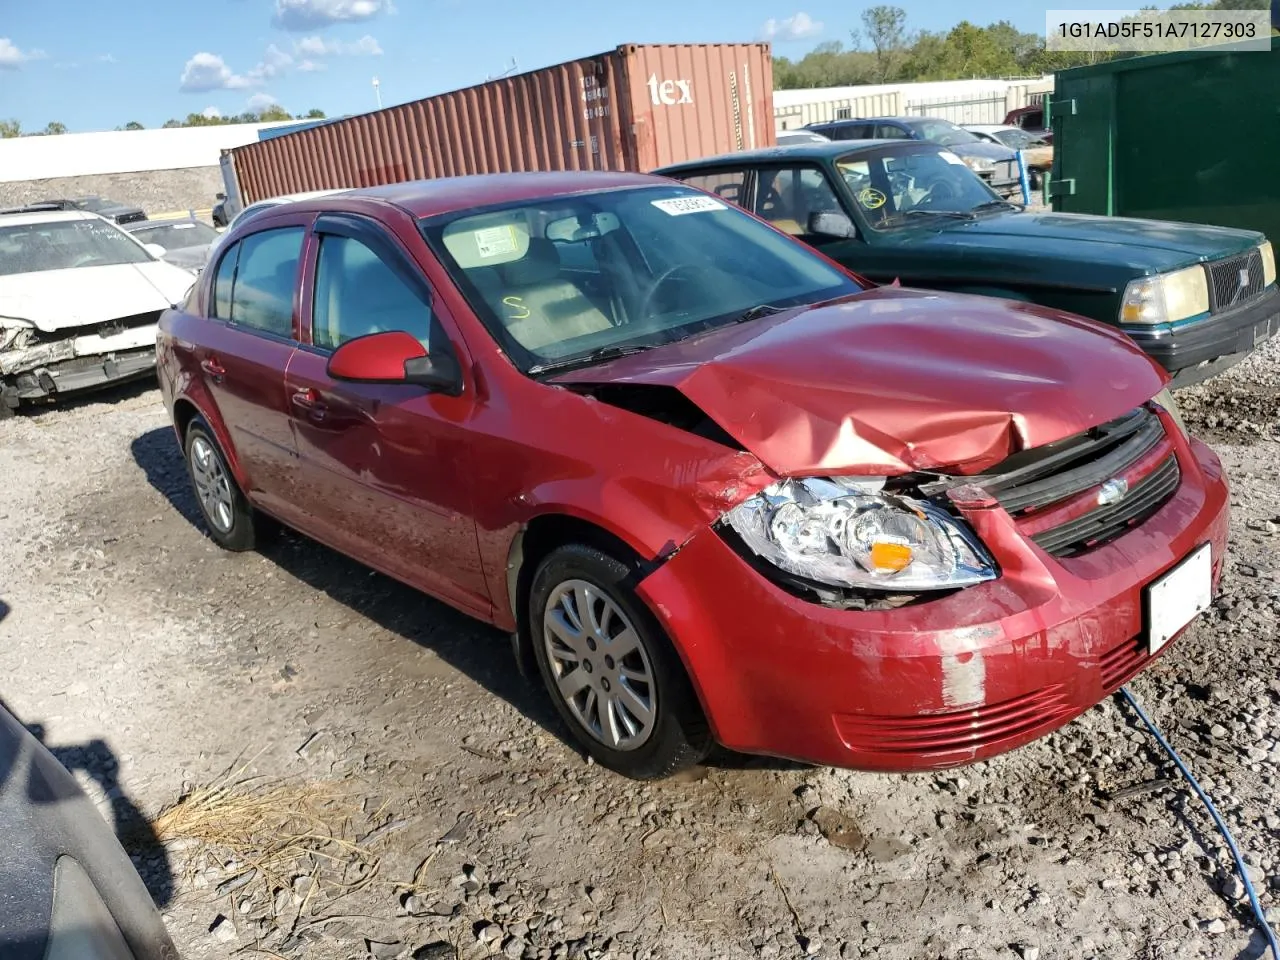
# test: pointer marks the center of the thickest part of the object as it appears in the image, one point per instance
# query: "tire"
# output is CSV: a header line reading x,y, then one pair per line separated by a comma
x,y
227,514
606,711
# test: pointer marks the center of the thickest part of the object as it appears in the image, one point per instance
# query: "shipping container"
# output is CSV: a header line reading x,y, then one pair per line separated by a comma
x,y
1189,136
634,108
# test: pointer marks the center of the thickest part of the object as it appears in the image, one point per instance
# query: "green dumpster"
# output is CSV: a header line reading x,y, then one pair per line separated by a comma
x,y
1190,136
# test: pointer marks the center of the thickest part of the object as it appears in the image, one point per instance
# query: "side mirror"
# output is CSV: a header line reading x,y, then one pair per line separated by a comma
x,y
395,357
220,196
829,224
155,250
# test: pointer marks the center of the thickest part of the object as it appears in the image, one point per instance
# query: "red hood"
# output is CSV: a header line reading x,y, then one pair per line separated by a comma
x,y
899,380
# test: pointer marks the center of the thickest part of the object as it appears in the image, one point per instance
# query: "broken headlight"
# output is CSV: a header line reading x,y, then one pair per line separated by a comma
x,y
849,532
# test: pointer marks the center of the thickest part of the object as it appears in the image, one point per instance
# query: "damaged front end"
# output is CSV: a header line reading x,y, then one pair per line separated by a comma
x,y
38,365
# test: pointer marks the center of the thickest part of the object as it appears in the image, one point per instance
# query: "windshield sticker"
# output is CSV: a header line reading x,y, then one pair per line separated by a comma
x,y
496,241
183,226
950,157
871,198
679,206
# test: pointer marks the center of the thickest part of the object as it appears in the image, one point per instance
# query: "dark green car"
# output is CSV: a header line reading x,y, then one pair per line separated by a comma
x,y
1196,298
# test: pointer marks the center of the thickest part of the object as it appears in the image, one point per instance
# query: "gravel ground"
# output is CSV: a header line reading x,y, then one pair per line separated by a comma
x,y
155,663
156,191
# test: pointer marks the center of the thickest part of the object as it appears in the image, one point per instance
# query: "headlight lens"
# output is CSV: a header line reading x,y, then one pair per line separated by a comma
x,y
847,532
1166,297
1165,400
1268,263
978,164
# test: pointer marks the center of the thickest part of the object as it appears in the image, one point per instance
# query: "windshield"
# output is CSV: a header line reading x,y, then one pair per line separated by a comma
x,y
175,236
1018,139
559,279
35,247
942,132
894,188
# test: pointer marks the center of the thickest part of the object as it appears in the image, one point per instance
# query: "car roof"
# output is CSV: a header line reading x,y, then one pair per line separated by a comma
x,y
429,198
798,151
836,123
20,217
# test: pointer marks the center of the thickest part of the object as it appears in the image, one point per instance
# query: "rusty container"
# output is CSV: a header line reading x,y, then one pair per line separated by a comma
x,y
638,107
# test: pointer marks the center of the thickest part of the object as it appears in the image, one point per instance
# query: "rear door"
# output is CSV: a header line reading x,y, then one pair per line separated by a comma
x,y
246,348
384,469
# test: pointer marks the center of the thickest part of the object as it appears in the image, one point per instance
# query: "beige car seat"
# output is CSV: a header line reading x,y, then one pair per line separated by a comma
x,y
539,306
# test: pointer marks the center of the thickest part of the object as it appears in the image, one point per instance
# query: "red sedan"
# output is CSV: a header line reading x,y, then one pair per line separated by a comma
x,y
717,487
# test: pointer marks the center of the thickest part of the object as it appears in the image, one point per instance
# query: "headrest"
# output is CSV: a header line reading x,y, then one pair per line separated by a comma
x,y
488,240
540,264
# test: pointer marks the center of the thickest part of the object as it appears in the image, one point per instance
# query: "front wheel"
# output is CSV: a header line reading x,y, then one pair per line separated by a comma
x,y
613,675
226,513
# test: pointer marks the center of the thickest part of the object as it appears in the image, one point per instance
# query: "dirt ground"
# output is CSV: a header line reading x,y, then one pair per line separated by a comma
x,y
466,826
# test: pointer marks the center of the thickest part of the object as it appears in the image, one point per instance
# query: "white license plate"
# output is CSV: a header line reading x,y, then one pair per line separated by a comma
x,y
1178,597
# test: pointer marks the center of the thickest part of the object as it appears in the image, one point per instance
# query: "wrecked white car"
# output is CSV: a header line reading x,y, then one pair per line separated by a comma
x,y
79,300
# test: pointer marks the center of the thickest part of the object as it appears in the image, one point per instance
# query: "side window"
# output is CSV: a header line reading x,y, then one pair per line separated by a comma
x,y
358,294
889,131
725,184
222,283
852,131
265,277
787,197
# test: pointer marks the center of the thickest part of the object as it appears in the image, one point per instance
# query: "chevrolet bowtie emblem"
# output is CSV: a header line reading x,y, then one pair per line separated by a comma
x,y
1113,491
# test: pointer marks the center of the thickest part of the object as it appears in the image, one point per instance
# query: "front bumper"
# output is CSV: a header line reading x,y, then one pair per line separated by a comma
x,y
943,683
75,364
1202,349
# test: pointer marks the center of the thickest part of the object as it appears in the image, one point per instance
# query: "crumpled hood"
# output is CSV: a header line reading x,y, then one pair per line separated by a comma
x,y
55,300
897,380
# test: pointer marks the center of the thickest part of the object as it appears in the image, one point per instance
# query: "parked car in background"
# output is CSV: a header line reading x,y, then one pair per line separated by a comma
x,y
1196,298
1030,119
788,137
1036,153
717,487
186,242
110,209
79,300
69,889
256,208
994,163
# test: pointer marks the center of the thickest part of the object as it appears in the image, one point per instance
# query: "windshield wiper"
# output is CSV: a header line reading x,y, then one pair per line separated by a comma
x,y
758,311
587,359
906,214
992,204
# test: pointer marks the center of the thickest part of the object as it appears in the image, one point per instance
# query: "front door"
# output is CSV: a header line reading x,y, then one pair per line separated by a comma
x,y
251,335
384,468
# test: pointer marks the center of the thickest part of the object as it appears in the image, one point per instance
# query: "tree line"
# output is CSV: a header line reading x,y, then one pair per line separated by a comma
x,y
12,128
883,49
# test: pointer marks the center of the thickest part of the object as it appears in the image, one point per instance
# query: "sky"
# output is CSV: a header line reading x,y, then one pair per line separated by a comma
x,y
96,65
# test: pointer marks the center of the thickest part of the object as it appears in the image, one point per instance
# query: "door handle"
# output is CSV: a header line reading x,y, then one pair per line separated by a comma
x,y
308,399
213,368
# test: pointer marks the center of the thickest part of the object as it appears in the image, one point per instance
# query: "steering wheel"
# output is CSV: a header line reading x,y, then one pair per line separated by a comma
x,y
689,271
939,190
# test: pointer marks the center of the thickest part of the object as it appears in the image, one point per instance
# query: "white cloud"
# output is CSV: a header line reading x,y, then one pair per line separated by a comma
x,y
260,101
299,15
11,58
311,66
207,71
800,26
313,47
108,58
213,113
274,61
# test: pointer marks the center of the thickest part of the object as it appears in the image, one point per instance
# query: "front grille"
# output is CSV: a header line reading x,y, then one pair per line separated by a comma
x,y
1062,477
961,731
1108,522
1235,281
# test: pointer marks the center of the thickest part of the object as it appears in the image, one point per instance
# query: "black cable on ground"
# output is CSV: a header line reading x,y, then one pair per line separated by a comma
x,y
1267,932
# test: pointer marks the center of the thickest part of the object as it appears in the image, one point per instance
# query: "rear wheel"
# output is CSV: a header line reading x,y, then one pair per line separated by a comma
x,y
612,673
226,513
